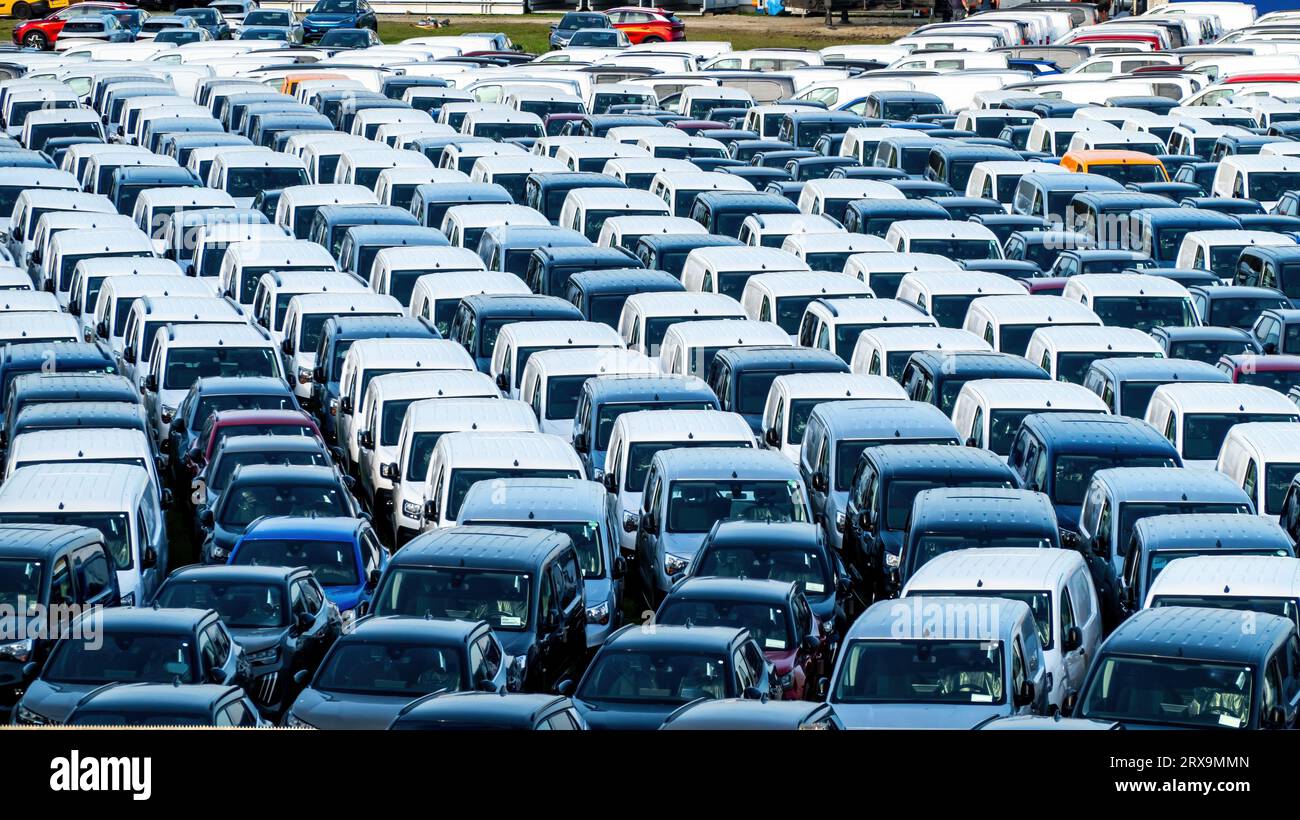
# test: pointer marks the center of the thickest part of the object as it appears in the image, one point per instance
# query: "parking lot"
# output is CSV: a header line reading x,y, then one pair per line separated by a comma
x,y
641,370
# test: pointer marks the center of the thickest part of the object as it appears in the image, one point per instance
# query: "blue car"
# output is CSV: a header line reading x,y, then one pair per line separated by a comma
x,y
331,14
563,31
343,553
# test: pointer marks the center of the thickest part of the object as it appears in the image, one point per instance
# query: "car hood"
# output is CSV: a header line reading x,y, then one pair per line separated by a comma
x,y
55,701
330,711
344,598
684,544
515,642
915,716
333,19
643,716
255,640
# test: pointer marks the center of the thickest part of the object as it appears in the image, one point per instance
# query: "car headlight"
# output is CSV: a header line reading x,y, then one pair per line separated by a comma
x,y
128,599
292,721
24,715
839,522
520,666
674,564
264,656
349,619
412,510
305,375
218,552
598,614
786,680
17,650
891,560
167,414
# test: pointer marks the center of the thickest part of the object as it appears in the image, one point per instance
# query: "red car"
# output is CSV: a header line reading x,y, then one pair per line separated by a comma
x,y
226,423
1279,371
43,32
647,25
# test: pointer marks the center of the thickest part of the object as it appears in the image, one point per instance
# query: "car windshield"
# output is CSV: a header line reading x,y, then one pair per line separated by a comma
x,y
931,545
334,7
849,452
609,413
1132,512
334,563
228,431
1203,433
500,597
241,604
632,676
463,478
576,20
1074,471
1223,260
186,364
1170,691
115,527
1208,350
227,462
249,182
268,17
1134,172
800,410
950,311
20,584
1039,603
1161,558
1242,312
641,453
957,248
900,493
1282,607
657,326
244,504
767,624
155,716
921,671
1145,312
694,506
751,391
1279,380
123,658
804,567
1269,186
386,668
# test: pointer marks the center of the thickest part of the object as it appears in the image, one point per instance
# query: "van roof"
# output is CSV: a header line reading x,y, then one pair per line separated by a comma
x,y
837,386
873,310
996,569
414,353
724,331
963,509
437,257
683,425
1271,441
1091,338
684,303
884,418
73,488
344,303
964,282
1034,394
498,449
482,547
536,499
42,540
1240,237
1228,576
725,463
328,194
1093,432
799,283
1140,368
1158,484
1197,633
584,361
1122,284
1224,398
88,444
80,241
471,413
1037,309
1228,530
560,332
821,242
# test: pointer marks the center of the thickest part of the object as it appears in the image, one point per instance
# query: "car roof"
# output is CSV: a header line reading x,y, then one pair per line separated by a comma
x,y
541,499
882,619
1196,633
995,568
1229,530
1229,575
481,547
74,487
723,463
1157,484
331,528
42,540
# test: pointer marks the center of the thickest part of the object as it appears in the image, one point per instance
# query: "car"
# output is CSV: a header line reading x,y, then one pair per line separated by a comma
x,y
345,555
166,705
212,394
259,490
327,15
468,711
914,664
238,451
43,33
732,714
571,22
136,645
647,24
345,39
639,677
1192,667
277,614
372,673
225,424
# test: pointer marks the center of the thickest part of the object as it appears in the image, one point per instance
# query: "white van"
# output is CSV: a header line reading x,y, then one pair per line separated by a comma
x,y
782,297
792,398
368,359
884,351
88,445
305,318
689,347
835,324
275,289
946,294
154,208
1134,300
1239,582
425,422
212,241
625,231
464,225
944,237
396,271
298,204
460,460
1007,322
245,263
118,292
988,412
518,341
586,209
646,317
997,179
16,328
69,247
638,435
1055,582
553,380
882,272
149,314
436,296
771,230
726,269
1198,417
388,398
678,190
1067,352
1218,251
1258,177
832,251
1262,458
34,203
117,499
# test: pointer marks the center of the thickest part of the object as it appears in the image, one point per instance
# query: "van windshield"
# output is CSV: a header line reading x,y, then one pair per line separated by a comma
x,y
1238,312
657,326
694,506
20,583
463,478
1130,172
1132,512
641,453
631,676
586,536
769,625
1171,691
252,501
185,365
1203,433
957,248
921,671
499,597
931,545
562,395
249,182
609,413
390,669
848,453
803,567
242,605
124,658
1074,472
227,463
1145,312
900,493
1270,186
1039,603
333,563
115,527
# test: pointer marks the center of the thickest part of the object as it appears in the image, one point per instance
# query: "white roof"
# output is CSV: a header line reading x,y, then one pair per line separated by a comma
x,y
682,303
519,450
1227,576
683,425
499,415
433,384
831,242
838,386
925,338
559,333
874,310
963,282
1034,394
898,262
73,488
1240,237
727,333
570,362
746,258
1036,309
332,194
1122,284
996,569
226,334
15,327
413,354
1090,338
1273,441
800,283
433,258
1225,398
952,228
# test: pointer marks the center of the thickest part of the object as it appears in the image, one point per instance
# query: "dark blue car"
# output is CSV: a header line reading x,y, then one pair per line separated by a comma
x,y
332,14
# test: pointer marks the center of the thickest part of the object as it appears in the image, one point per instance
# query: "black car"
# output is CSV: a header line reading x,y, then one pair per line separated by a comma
x,y
279,615
386,662
732,714
641,676
487,710
526,583
214,393
165,704
260,490
131,645
47,565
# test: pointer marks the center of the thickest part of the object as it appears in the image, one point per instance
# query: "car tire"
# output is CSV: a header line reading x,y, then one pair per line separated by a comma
x,y
36,39
653,40
22,11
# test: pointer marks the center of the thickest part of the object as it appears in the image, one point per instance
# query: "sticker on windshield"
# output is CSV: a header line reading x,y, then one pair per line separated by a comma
x,y
813,586
1230,721
773,643
981,698
511,620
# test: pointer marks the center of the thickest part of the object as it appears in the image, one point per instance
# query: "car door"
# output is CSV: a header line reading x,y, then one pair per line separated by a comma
x,y
96,580
1072,662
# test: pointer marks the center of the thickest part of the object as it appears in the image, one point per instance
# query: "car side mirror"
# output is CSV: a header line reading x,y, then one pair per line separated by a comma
x,y
1275,717
366,440
207,519
1068,705
150,383
74,307
619,570
611,482
166,499
345,405
128,354
823,686
49,285
580,445
304,621
150,558
1101,544
178,425
565,687
431,510
970,441
1270,348
390,471
318,374
101,329
811,643
301,677
287,347
819,482
753,693
649,524
485,684
772,437
216,675
29,670
631,521
503,383
1073,639
372,580
1026,694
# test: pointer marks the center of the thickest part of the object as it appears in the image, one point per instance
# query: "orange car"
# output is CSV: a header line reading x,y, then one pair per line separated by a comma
x,y
647,25
1122,166
291,81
